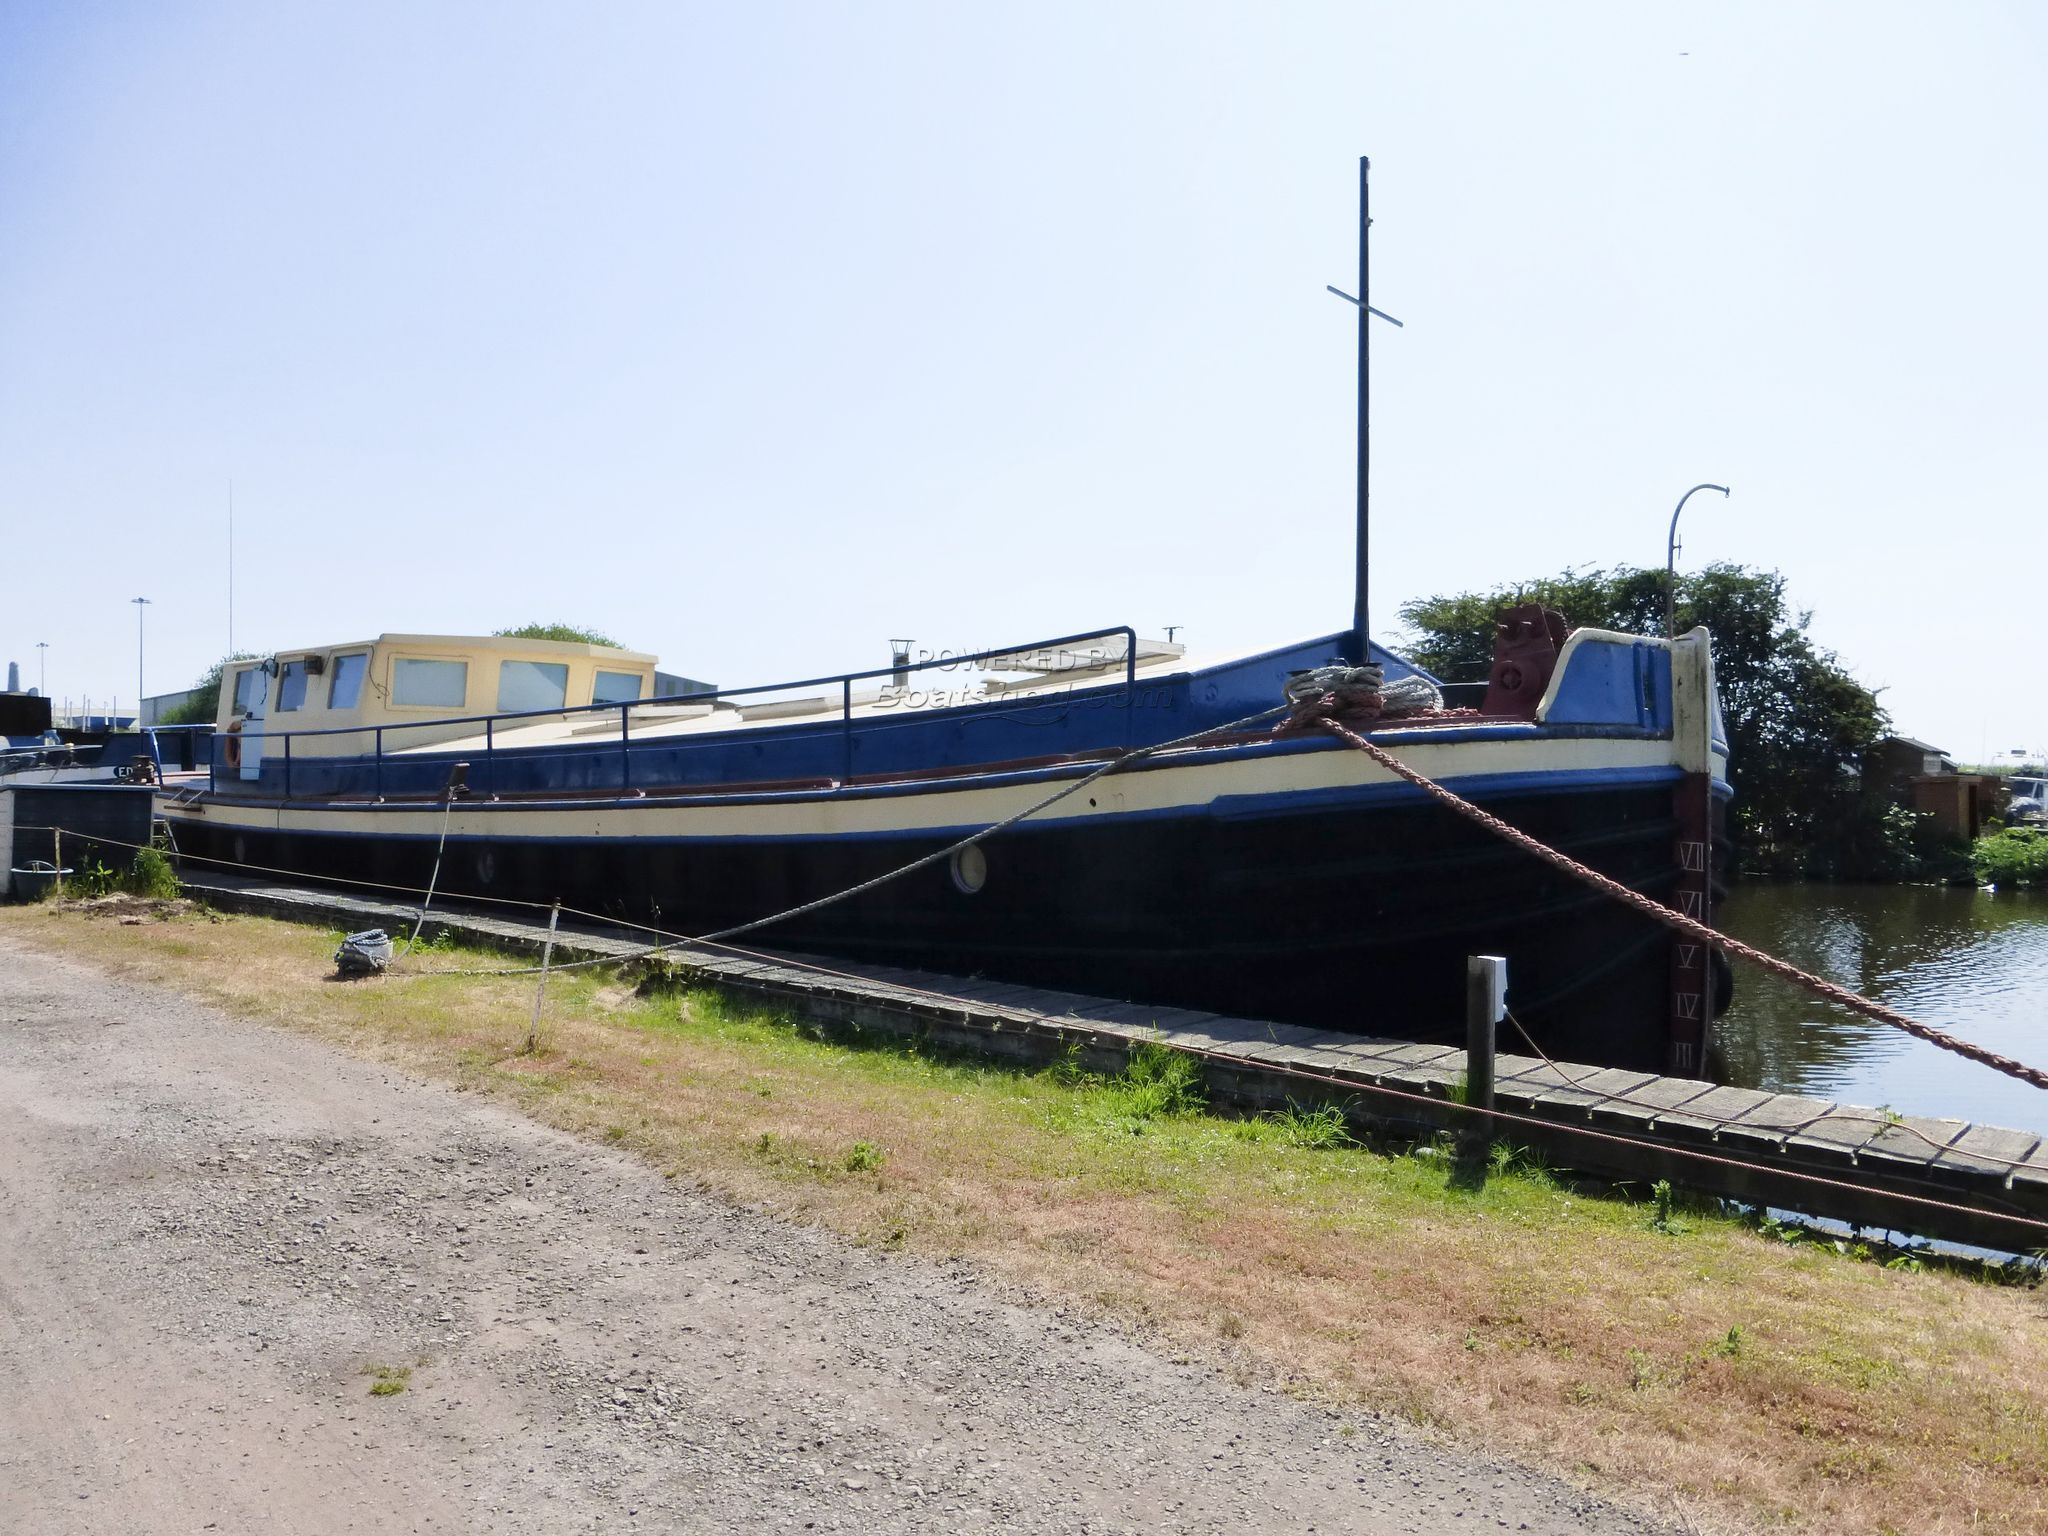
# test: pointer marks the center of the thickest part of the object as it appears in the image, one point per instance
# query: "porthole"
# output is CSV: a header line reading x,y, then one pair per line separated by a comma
x,y
970,869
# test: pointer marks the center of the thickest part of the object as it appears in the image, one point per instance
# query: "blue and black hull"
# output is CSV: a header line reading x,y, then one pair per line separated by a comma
x,y
1288,879
1358,919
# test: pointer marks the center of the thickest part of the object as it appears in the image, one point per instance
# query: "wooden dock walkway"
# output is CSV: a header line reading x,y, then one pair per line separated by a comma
x,y
1938,1178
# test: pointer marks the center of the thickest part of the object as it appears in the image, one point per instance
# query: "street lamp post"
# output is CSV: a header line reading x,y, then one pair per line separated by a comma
x,y
140,604
1671,562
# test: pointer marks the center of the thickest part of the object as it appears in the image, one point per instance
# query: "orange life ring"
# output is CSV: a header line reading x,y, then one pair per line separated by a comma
x,y
231,753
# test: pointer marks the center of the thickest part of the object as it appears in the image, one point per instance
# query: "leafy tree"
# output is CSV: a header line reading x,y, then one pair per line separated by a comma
x,y
204,705
1798,724
567,632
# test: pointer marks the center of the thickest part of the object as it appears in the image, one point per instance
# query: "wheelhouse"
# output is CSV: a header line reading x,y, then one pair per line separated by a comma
x,y
333,699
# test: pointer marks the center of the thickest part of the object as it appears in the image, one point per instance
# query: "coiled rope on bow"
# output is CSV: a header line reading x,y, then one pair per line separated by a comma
x,y
1361,692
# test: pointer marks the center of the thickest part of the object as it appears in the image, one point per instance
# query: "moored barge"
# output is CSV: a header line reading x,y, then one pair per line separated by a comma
x,y
1272,874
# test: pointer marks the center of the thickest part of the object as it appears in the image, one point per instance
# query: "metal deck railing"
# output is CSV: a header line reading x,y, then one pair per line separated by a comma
x,y
490,723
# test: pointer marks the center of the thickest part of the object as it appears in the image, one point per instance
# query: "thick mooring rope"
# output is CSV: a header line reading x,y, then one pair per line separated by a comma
x,y
441,847
1691,927
1113,765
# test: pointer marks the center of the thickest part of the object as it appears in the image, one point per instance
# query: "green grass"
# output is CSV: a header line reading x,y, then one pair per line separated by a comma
x,y
1434,1280
1304,1152
1158,1098
1313,1127
389,1380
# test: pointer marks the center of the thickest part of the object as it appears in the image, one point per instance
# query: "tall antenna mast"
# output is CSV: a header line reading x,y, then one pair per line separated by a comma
x,y
1362,641
1361,644
231,567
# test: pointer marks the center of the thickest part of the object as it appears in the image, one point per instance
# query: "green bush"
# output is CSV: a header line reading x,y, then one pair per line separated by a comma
x,y
90,879
2016,856
151,875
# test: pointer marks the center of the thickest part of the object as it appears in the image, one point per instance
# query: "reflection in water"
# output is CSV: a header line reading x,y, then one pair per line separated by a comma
x,y
1974,963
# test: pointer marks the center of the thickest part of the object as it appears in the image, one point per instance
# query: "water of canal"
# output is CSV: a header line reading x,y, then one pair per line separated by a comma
x,y
1971,962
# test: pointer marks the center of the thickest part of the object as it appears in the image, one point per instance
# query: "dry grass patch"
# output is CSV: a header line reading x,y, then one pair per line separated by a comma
x,y
1705,1369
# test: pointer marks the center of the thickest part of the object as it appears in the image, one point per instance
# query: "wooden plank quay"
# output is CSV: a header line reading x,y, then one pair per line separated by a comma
x,y
1946,1179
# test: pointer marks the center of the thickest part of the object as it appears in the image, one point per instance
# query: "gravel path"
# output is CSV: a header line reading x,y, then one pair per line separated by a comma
x,y
210,1231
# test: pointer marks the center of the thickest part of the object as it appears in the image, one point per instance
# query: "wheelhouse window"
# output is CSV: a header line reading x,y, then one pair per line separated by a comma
x,y
532,684
421,684
249,689
291,686
345,686
615,688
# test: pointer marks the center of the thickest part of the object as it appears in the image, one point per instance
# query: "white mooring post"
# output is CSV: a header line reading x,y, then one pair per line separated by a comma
x,y
540,993
1486,1004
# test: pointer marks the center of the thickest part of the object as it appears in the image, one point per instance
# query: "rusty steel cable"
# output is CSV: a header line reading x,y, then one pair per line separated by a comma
x,y
1691,927
1655,910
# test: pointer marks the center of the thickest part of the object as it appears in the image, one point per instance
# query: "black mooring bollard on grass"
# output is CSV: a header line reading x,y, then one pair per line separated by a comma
x,y
1486,999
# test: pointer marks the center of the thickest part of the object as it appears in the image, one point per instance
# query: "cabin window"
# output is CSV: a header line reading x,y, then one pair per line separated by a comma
x,y
429,684
532,684
249,688
616,688
346,685
291,686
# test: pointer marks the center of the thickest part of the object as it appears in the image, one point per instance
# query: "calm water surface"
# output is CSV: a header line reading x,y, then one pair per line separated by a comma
x,y
1974,963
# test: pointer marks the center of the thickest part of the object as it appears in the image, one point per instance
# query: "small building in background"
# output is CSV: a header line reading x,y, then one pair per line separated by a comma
x,y
1896,760
1925,778
158,705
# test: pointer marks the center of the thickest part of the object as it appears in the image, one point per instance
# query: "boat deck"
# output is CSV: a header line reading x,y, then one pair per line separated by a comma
x,y
1947,1179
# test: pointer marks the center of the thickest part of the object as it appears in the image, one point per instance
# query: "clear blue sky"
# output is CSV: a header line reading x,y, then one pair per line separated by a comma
x,y
757,334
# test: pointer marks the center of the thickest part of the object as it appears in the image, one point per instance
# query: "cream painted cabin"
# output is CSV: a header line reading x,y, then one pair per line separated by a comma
x,y
419,688
430,691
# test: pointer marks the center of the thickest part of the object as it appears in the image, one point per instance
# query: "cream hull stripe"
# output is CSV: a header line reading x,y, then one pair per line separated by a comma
x,y
1167,788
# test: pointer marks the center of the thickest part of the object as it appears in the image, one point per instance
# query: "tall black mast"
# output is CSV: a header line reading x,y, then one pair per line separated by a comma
x,y
1361,643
